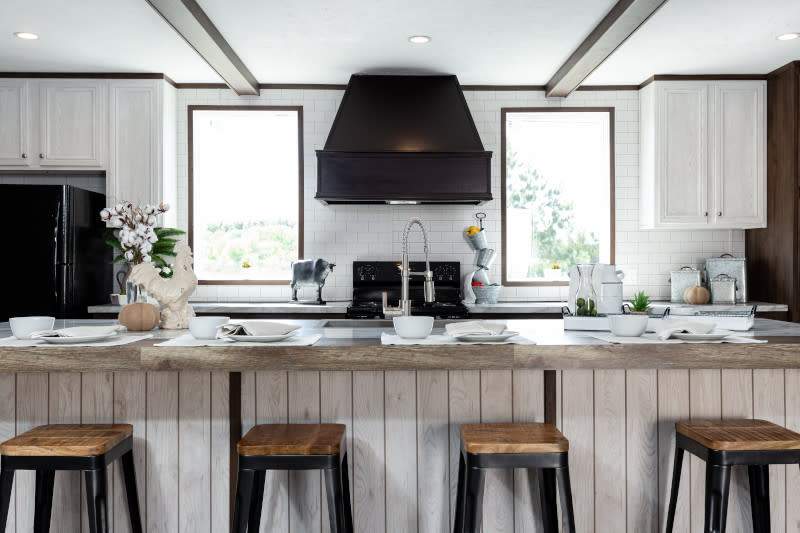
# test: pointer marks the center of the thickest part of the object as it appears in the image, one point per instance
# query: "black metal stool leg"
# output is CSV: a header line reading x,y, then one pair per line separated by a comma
x,y
565,487
45,479
758,476
333,489
676,481
473,508
718,480
6,484
132,495
257,501
96,495
348,510
461,494
547,497
241,508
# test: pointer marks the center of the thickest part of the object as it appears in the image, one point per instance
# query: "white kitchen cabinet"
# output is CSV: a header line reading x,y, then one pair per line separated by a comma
x,y
703,155
72,123
14,120
142,143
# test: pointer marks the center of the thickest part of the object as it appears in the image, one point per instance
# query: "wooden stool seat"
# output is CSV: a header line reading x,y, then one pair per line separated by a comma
x,y
293,439
539,448
739,434
292,447
513,438
67,440
88,448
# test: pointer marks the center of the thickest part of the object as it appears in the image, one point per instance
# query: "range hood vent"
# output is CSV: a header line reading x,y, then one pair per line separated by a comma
x,y
403,139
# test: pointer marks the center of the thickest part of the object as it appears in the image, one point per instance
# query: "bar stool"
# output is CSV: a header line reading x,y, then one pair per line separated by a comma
x,y
292,447
86,447
513,445
722,444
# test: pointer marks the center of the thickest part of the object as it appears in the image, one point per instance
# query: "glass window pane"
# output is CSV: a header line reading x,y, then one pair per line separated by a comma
x,y
245,193
558,186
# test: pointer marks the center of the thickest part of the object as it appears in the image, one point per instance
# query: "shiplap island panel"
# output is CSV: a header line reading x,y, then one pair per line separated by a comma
x,y
402,407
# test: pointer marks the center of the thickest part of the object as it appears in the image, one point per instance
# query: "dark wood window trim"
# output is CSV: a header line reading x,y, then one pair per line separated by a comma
x,y
300,224
504,237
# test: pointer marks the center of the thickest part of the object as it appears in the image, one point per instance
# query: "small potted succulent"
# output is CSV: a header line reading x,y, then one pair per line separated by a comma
x,y
553,273
640,303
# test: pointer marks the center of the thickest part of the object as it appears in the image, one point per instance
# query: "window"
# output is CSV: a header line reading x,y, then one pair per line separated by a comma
x,y
557,181
245,192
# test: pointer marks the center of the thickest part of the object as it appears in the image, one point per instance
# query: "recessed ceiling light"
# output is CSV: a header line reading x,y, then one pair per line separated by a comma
x,y
419,39
28,36
788,36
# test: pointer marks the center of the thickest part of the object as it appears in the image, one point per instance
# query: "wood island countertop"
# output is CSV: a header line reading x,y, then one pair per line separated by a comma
x,y
359,348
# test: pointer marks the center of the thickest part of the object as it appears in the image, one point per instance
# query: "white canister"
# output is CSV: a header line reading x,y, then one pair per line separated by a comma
x,y
610,300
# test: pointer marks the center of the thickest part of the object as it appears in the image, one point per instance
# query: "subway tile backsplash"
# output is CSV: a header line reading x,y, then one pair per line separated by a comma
x,y
346,233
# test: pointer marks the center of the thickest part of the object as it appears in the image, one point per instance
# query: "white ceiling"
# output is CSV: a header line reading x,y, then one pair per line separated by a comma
x,y
482,41
318,41
95,36
706,37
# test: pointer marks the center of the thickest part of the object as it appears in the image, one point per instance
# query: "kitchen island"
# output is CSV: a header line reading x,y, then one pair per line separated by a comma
x,y
402,406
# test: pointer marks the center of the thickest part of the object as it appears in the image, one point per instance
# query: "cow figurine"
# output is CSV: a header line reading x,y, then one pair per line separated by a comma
x,y
309,273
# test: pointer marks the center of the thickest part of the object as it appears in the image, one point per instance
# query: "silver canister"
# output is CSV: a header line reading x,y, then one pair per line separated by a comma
x,y
723,289
680,280
735,267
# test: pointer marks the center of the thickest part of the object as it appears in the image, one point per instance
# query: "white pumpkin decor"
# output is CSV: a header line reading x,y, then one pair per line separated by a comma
x,y
173,293
696,295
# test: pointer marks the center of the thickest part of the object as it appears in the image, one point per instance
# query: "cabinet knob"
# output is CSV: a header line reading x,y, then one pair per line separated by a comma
x,y
719,213
41,156
24,156
706,213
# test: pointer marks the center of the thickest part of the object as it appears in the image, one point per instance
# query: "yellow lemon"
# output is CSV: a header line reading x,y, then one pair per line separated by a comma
x,y
472,230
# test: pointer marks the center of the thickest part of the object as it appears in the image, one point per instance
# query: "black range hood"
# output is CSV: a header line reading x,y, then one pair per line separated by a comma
x,y
403,139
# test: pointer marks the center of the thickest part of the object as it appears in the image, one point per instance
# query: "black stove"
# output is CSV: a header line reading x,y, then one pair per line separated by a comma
x,y
372,278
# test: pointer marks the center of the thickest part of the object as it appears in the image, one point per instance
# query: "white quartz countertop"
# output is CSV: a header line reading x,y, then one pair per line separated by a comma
x,y
340,307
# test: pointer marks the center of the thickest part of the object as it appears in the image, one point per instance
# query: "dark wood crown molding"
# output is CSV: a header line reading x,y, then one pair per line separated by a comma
x,y
91,75
189,20
620,23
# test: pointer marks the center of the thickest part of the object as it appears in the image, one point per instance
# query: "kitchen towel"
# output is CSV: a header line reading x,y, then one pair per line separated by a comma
x,y
652,338
80,331
666,328
256,328
389,339
120,340
188,340
474,327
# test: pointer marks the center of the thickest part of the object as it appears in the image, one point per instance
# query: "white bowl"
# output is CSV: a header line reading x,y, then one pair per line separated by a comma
x,y
205,327
23,326
413,327
628,325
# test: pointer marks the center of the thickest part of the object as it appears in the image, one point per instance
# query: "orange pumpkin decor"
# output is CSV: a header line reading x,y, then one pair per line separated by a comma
x,y
139,317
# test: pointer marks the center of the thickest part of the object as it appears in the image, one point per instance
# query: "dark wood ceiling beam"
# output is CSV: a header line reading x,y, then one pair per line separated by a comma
x,y
624,18
189,20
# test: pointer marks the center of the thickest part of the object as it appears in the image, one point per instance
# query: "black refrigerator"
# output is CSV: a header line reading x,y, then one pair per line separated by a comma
x,y
54,261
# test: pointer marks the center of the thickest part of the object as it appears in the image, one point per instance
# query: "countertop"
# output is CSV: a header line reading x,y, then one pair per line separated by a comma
x,y
359,348
509,308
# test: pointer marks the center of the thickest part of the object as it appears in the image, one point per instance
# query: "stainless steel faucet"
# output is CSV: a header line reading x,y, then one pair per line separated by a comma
x,y
404,308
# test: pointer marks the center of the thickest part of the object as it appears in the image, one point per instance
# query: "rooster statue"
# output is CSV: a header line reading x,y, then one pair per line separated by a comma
x,y
173,293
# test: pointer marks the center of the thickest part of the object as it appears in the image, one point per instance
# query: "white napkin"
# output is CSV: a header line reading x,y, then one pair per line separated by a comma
x,y
80,331
667,328
255,328
474,327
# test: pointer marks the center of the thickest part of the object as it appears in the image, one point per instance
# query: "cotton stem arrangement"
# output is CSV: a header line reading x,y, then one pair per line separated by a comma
x,y
135,227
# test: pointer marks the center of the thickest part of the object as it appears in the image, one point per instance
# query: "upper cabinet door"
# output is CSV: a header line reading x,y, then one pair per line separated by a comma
x,y
682,154
738,165
72,123
14,117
